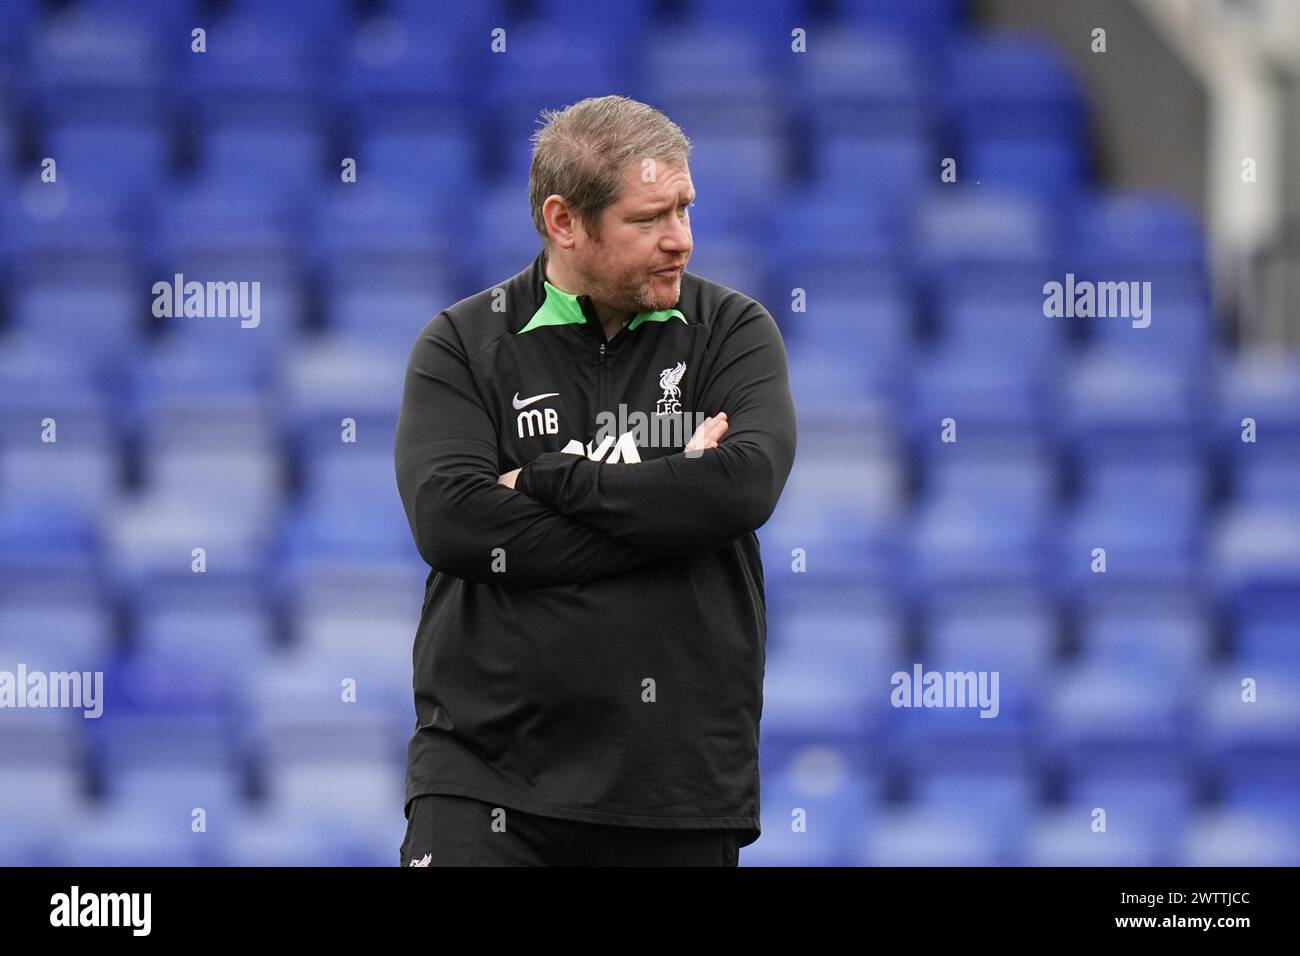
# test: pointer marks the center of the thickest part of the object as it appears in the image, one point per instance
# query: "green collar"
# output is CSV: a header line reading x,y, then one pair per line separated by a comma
x,y
563,308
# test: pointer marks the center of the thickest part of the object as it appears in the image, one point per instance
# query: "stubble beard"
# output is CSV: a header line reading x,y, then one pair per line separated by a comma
x,y
643,297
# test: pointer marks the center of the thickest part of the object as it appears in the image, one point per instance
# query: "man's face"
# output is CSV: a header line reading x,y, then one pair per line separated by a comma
x,y
645,231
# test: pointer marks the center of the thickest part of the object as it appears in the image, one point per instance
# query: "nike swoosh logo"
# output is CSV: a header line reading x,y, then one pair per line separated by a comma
x,y
528,401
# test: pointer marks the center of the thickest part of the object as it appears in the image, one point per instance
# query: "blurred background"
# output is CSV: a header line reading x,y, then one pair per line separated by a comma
x,y
897,193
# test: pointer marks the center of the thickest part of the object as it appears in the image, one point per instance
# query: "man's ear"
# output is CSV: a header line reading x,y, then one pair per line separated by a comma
x,y
559,220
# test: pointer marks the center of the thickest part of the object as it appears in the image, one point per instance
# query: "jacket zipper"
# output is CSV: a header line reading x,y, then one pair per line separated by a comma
x,y
600,382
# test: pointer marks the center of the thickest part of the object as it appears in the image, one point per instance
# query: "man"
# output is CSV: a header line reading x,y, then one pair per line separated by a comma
x,y
589,661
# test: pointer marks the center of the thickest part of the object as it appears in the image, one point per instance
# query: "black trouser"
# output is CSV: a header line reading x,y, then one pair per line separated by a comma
x,y
459,831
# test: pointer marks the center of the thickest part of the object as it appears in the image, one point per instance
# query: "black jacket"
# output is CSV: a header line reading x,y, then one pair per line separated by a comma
x,y
592,642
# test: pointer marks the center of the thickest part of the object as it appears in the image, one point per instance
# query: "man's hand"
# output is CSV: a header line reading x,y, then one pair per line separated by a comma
x,y
707,435
509,478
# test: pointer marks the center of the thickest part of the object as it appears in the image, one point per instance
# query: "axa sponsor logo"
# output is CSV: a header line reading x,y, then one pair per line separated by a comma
x,y
608,450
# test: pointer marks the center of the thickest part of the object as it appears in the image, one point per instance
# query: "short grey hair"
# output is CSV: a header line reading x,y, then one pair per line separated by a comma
x,y
581,151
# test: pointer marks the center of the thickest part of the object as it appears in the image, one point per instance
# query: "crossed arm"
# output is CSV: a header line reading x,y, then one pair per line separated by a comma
x,y
571,520
706,436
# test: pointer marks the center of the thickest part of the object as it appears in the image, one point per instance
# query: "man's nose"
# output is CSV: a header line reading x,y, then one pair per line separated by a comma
x,y
678,235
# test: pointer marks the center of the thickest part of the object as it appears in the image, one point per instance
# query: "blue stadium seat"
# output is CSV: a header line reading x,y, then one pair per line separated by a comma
x,y
1264,474
123,836
1117,717
841,520
99,323
68,631
78,468
148,534
169,710
41,774
973,636
242,323
985,517
577,17
283,161
331,379
125,159
392,74
61,235
1263,385
224,620
897,167
1179,332
541,69
168,14
975,236
872,323
201,802
996,358
841,241
869,84
1012,83
388,315
220,446
1004,326
993,801
303,734
1250,733
773,15
49,548
257,72
103,65
339,512
922,22
442,164
742,96
1148,515
1049,168
1255,547
367,228
1064,836
808,703
734,175
18,17
1241,838
327,20
1263,628
1154,812
365,609
279,836
864,640
815,813
1169,630
7,140
916,836
1139,231
1011,631
1114,403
